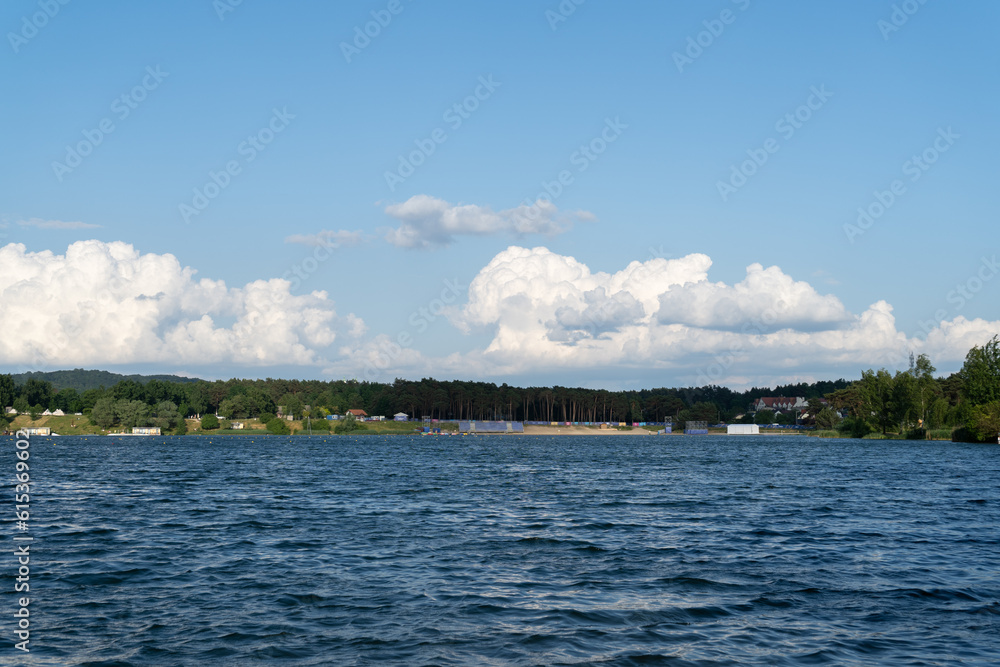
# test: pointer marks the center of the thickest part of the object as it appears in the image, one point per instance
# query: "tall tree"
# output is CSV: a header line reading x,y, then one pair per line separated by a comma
x,y
876,393
7,391
981,373
37,392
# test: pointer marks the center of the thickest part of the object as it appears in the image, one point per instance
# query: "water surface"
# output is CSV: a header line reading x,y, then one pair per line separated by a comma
x,y
513,550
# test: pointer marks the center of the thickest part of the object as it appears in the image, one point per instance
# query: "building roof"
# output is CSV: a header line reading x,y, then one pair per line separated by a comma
x,y
779,402
357,412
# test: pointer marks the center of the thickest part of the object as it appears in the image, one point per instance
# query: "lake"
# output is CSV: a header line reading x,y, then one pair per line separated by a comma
x,y
509,550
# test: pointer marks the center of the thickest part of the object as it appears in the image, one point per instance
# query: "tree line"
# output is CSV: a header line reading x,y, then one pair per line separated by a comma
x,y
910,401
164,403
913,401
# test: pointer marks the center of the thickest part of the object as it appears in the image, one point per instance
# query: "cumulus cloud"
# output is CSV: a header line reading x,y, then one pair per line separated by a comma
x,y
55,224
328,238
427,222
763,293
107,303
549,311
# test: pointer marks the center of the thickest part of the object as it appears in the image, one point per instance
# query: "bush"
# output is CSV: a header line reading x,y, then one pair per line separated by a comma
x,y
278,427
321,425
225,424
917,434
182,427
826,434
964,434
982,422
348,424
209,423
852,427
940,434
266,417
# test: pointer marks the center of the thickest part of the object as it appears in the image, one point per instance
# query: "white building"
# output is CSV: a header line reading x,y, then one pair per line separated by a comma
x,y
742,429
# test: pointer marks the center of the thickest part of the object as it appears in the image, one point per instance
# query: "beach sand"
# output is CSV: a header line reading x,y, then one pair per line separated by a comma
x,y
530,429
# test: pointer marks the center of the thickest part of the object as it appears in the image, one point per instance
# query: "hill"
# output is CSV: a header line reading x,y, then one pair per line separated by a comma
x,y
82,380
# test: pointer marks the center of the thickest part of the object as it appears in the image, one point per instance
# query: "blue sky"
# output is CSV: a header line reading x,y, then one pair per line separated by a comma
x,y
199,78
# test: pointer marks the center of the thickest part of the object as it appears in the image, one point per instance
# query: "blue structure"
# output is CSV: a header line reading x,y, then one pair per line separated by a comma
x,y
490,427
696,428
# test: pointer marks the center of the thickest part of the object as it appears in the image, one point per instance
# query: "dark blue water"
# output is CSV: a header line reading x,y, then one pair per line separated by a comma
x,y
511,550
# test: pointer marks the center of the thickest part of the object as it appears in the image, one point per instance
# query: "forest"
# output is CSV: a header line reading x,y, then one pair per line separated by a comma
x,y
911,401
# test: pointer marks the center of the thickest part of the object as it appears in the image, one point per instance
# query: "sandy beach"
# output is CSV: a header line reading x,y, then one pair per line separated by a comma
x,y
580,430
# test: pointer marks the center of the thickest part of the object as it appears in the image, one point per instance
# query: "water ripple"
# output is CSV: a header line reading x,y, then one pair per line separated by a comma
x,y
514,551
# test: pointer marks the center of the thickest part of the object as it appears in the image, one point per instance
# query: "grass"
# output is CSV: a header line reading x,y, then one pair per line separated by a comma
x,y
68,425
826,434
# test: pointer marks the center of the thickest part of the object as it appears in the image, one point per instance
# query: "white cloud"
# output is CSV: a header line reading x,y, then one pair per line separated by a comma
x,y
328,238
106,303
543,316
763,293
55,224
427,222
550,312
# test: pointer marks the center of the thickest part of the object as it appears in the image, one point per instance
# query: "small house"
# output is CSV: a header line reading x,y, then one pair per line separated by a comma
x,y
358,413
146,430
401,417
779,403
37,430
237,426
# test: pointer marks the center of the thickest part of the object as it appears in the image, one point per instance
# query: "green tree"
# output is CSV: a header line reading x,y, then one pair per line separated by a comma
x,y
983,423
182,428
37,392
89,398
854,427
981,373
21,405
129,390
827,418
197,397
278,426
166,415
904,404
103,413
876,393
347,425
237,407
764,417
36,412
292,405
132,413
937,415
848,398
66,400
927,389
209,422
7,392
785,418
